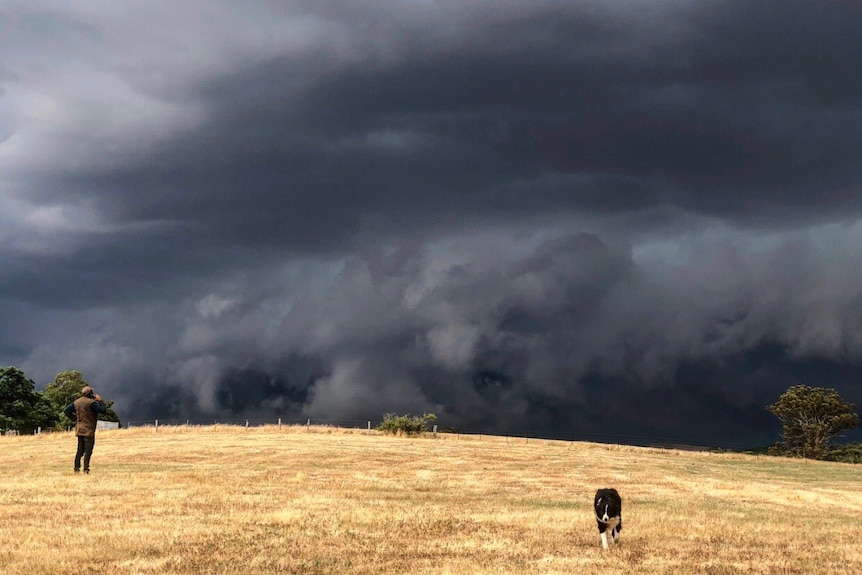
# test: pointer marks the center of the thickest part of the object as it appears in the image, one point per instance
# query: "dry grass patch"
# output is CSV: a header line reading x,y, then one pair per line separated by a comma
x,y
231,500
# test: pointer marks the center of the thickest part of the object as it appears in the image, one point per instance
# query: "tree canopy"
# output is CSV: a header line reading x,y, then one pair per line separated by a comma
x,y
24,410
65,389
21,408
811,417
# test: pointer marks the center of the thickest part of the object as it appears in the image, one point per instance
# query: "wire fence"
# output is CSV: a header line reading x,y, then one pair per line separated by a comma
x,y
698,444
644,440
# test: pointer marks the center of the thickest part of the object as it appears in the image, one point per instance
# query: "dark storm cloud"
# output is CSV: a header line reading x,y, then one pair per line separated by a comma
x,y
548,217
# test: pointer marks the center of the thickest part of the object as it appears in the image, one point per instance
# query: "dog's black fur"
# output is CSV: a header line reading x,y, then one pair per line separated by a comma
x,y
608,506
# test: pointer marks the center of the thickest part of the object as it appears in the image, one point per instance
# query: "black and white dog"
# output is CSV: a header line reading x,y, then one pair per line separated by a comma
x,y
609,514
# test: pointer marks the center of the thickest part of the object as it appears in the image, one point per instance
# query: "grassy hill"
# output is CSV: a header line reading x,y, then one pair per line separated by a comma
x,y
231,500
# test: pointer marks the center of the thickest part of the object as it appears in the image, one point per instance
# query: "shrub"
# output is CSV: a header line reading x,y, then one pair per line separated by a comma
x,y
406,424
847,453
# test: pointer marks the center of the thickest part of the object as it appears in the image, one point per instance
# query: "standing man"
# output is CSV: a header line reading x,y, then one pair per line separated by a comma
x,y
84,412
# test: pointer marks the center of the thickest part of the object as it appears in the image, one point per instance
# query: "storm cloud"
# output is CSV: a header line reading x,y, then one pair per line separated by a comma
x,y
636,221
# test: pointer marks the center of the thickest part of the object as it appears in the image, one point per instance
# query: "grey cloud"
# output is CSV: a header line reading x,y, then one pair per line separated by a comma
x,y
521,215
532,343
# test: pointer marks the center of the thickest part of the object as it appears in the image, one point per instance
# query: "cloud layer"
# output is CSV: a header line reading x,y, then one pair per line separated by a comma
x,y
547,217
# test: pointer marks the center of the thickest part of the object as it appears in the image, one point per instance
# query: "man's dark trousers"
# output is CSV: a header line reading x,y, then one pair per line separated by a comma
x,y
85,448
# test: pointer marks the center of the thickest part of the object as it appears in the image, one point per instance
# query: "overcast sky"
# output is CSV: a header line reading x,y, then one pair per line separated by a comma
x,y
636,219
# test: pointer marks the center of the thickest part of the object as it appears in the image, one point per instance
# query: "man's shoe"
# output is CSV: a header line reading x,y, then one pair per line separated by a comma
x,y
87,471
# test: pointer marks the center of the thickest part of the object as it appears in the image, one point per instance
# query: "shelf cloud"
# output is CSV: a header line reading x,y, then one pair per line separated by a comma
x,y
572,219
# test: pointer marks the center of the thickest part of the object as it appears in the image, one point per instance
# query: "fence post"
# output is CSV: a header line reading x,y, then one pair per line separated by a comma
x,y
246,424
308,424
157,425
435,431
279,423
369,426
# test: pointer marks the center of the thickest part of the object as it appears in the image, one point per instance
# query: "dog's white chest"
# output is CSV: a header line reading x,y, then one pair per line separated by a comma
x,y
612,522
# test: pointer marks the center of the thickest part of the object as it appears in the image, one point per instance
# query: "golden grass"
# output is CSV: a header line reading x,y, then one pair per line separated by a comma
x,y
231,500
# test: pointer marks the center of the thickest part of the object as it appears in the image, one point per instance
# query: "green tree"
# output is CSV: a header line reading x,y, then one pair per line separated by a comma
x,y
810,417
21,408
65,389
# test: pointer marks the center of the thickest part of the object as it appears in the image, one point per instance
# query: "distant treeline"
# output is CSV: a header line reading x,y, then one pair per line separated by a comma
x,y
843,453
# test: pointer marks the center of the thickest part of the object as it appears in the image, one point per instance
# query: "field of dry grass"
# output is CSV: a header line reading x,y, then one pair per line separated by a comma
x,y
231,500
